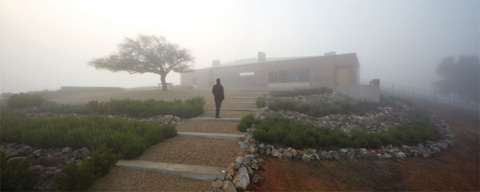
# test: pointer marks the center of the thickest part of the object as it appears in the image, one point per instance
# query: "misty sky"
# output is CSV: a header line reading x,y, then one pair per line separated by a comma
x,y
47,44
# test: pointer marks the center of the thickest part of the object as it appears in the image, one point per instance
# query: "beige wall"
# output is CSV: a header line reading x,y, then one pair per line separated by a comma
x,y
321,69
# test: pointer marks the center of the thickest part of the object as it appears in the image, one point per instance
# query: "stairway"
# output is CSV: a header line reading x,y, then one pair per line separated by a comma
x,y
200,153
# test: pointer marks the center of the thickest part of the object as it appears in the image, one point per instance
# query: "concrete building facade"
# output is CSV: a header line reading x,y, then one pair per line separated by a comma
x,y
328,70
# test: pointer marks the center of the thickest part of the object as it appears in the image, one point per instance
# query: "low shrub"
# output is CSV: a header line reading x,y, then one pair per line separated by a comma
x,y
301,92
298,134
23,100
245,122
134,108
15,176
320,108
261,102
62,108
81,177
128,138
242,126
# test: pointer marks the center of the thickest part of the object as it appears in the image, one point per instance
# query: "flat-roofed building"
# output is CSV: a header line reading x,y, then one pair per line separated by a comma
x,y
328,70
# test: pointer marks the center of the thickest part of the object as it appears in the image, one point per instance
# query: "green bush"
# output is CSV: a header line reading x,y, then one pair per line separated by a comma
x,y
246,122
15,175
261,102
64,109
128,138
134,108
23,100
321,108
80,178
301,92
298,134
242,126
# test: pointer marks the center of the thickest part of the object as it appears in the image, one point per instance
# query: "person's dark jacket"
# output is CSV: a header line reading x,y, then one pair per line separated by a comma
x,y
217,91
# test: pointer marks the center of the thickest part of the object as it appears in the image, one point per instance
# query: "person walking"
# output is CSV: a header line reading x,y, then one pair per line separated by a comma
x,y
217,91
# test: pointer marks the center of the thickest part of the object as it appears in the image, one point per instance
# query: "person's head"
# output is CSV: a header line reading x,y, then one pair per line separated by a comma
x,y
218,80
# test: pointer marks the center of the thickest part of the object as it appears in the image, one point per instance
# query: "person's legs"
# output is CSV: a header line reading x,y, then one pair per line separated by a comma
x,y
217,108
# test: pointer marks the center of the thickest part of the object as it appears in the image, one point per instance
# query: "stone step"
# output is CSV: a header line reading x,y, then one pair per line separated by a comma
x,y
238,103
233,137
214,119
190,171
243,97
252,110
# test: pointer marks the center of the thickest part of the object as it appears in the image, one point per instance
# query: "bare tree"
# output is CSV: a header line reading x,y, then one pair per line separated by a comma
x,y
146,54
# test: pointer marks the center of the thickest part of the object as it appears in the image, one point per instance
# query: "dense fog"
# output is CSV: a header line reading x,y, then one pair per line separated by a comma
x,y
48,44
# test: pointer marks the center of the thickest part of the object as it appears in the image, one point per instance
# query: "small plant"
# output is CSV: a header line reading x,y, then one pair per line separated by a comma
x,y
301,92
245,122
128,138
261,102
320,108
298,134
81,177
134,108
15,175
23,100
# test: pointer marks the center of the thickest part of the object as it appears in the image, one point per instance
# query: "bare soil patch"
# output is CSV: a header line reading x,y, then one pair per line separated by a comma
x,y
456,169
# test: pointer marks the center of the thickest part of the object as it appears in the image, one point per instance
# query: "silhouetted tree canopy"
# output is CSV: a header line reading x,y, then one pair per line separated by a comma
x,y
459,76
146,54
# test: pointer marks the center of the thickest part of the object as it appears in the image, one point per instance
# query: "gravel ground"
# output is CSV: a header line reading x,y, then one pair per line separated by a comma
x,y
122,179
226,114
209,127
193,151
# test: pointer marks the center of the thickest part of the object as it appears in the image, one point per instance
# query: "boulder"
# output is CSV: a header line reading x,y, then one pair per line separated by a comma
x,y
217,184
39,168
326,155
256,178
287,154
248,158
242,179
426,153
275,153
269,151
243,145
230,170
306,157
25,150
81,153
434,149
254,166
37,153
400,155
239,160
261,146
387,156
66,150
228,186
335,155
11,152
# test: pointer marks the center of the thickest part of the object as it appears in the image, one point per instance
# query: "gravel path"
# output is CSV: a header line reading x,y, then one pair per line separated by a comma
x,y
122,179
193,151
209,127
225,114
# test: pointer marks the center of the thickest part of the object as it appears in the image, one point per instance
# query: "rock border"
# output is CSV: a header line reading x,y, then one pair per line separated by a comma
x,y
240,173
49,162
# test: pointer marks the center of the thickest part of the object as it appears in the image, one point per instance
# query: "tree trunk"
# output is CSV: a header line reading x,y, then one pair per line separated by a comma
x,y
164,83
